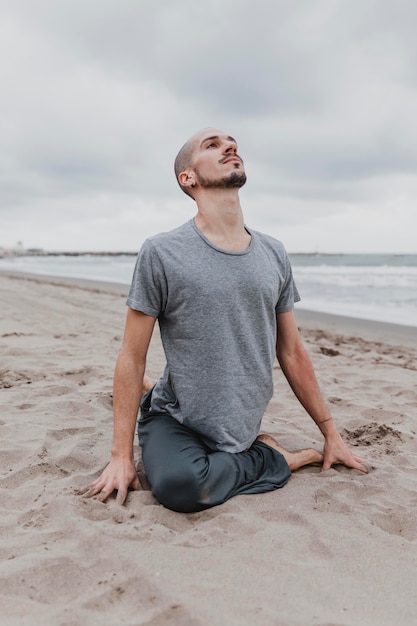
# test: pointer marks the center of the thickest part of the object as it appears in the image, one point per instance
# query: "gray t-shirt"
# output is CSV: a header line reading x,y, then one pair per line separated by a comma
x,y
217,316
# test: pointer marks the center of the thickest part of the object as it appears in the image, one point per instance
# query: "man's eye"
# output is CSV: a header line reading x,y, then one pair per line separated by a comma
x,y
212,145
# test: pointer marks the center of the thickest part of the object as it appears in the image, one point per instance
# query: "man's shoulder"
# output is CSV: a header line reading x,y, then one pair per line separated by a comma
x,y
269,241
172,236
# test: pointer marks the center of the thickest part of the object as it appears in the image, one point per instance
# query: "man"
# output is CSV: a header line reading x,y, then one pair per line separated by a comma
x,y
224,298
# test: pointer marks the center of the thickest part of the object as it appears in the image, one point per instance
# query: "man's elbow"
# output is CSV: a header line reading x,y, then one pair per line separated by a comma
x,y
292,356
129,358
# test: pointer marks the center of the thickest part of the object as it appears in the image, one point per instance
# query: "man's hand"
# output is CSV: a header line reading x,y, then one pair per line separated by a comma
x,y
335,451
119,475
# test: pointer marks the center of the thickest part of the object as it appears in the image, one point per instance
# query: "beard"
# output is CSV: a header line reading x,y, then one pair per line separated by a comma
x,y
234,180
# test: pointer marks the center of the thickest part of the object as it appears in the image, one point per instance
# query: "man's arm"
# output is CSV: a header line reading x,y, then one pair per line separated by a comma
x,y
120,473
298,369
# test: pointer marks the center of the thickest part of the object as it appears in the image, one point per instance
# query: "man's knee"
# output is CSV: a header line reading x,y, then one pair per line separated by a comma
x,y
180,489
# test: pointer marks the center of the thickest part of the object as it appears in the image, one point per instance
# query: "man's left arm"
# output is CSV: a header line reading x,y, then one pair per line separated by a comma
x,y
299,371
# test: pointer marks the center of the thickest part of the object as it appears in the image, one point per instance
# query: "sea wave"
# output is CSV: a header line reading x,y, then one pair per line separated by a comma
x,y
352,285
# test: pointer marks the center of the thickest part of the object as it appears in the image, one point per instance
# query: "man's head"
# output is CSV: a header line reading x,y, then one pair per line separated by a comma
x,y
209,160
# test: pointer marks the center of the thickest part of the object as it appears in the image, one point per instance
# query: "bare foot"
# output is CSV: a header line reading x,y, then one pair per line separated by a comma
x,y
148,383
295,458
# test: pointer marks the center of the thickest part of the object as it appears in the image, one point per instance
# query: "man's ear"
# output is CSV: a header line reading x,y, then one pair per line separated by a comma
x,y
186,179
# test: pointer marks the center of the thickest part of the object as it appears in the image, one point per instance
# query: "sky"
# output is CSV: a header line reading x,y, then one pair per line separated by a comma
x,y
97,97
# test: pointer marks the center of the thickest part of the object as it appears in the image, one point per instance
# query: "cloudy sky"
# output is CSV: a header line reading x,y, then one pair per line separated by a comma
x,y
97,96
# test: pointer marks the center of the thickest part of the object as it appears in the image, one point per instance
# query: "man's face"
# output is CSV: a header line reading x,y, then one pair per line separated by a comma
x,y
216,163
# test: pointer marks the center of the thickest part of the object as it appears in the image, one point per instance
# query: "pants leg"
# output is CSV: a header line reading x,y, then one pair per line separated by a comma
x,y
186,476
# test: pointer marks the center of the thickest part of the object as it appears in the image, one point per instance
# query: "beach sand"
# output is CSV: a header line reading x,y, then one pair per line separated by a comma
x,y
334,548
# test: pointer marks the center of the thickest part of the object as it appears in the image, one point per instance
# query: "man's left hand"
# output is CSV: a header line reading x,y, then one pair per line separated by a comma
x,y
335,451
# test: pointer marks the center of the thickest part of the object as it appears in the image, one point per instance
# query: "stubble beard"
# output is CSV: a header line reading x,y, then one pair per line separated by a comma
x,y
234,180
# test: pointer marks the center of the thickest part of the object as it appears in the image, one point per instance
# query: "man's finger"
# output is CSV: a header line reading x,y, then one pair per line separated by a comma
x,y
89,492
364,467
121,496
93,487
360,459
104,495
136,484
326,466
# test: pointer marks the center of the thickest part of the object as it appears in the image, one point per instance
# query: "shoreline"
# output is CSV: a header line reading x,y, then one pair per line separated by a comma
x,y
67,281
372,330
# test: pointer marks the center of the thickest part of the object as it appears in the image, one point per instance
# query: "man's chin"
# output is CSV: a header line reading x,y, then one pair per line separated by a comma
x,y
234,180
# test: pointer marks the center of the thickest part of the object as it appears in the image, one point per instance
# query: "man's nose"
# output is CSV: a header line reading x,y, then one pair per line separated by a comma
x,y
230,147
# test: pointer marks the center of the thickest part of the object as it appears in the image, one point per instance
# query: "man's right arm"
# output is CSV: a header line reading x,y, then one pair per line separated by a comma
x,y
120,473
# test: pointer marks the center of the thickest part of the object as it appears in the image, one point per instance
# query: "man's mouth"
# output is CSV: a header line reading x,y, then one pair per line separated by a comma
x,y
231,158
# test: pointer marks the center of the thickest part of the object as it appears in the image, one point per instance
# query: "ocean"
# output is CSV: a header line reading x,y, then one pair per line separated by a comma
x,y
380,287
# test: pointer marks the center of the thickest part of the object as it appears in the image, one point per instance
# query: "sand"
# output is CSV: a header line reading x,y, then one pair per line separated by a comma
x,y
333,548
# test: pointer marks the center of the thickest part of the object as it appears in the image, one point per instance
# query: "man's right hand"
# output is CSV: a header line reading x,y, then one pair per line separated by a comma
x,y
119,475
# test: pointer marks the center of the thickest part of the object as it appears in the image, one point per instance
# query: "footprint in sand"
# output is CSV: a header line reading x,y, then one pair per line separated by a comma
x,y
399,522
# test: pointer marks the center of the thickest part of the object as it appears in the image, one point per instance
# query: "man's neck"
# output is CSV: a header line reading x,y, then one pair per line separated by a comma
x,y
220,219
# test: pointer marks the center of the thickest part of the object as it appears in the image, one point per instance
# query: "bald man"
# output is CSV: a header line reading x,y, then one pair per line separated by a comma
x,y
223,295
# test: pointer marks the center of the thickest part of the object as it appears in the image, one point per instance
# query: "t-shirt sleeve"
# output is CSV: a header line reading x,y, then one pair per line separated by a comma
x,y
289,293
148,289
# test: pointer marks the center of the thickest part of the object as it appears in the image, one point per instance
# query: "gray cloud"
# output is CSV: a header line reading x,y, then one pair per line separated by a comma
x,y
97,97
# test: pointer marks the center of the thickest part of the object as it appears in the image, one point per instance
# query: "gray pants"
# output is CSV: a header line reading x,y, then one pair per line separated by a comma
x,y
186,476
